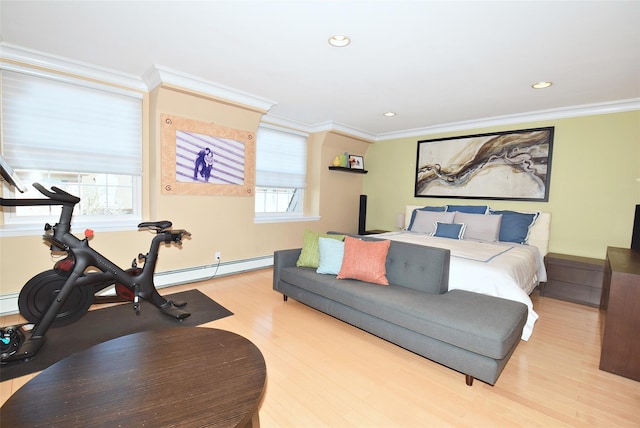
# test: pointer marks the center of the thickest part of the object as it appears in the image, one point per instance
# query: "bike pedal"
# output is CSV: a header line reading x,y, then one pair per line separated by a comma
x,y
171,310
179,304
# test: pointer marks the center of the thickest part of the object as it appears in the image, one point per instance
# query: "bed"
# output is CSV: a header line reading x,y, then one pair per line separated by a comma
x,y
480,261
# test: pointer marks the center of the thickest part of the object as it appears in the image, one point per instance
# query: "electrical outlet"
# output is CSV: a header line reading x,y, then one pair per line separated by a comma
x,y
218,255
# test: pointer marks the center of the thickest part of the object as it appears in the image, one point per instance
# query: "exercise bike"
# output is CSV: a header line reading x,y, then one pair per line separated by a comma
x,y
62,295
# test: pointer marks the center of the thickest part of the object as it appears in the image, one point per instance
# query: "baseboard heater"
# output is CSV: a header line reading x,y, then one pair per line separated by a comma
x,y
9,301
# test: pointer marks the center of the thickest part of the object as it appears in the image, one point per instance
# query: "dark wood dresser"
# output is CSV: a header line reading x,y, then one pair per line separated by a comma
x,y
573,278
620,312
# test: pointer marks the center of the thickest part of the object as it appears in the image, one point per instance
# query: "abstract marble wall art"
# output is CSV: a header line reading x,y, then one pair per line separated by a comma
x,y
513,165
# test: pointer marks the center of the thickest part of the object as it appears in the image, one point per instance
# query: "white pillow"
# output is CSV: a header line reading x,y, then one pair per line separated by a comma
x,y
425,221
480,227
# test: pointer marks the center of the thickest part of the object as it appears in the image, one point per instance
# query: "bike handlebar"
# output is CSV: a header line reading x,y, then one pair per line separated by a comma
x,y
57,197
57,194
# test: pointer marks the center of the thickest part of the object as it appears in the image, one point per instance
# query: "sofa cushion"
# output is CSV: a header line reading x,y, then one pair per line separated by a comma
x,y
365,260
331,254
310,255
408,265
486,325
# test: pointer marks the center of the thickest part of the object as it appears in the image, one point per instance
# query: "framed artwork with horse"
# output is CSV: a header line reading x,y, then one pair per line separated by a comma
x,y
200,158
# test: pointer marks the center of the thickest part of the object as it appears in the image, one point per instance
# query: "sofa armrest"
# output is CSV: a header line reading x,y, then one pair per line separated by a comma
x,y
281,260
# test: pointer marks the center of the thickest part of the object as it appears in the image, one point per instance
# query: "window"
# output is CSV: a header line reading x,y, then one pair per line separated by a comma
x,y
281,170
100,195
82,137
278,200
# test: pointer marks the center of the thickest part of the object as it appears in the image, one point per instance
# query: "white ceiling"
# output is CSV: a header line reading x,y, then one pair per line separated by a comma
x,y
432,62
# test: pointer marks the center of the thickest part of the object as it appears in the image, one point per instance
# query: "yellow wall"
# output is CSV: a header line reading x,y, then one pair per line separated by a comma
x,y
595,181
217,223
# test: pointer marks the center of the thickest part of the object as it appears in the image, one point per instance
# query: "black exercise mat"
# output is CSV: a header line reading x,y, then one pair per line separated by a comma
x,y
100,325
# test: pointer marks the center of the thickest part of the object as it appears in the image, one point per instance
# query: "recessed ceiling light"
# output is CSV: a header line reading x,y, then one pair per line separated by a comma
x,y
339,41
389,114
541,85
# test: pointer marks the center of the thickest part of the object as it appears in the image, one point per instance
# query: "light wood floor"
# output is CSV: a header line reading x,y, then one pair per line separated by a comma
x,y
325,373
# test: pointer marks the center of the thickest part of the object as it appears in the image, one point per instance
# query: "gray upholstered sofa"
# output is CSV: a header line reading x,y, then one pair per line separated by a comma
x,y
469,332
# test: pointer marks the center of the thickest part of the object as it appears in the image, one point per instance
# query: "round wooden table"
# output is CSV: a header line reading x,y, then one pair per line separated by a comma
x,y
188,376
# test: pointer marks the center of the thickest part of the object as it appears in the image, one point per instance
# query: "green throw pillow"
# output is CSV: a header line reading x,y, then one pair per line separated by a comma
x,y
310,254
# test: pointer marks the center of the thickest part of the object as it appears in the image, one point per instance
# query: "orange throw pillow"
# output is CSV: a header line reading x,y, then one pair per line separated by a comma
x,y
365,260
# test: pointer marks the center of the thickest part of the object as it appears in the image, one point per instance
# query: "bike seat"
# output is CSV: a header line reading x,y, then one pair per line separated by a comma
x,y
159,225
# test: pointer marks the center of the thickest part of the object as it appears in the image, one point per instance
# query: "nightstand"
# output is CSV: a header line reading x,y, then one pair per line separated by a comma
x,y
573,278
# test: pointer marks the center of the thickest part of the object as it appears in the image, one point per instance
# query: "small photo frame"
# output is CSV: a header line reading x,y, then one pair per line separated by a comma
x,y
356,162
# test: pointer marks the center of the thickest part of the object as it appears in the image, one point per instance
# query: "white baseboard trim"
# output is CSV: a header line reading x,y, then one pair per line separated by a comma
x,y
9,301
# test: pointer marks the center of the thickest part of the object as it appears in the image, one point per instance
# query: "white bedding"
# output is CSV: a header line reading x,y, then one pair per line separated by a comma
x,y
506,270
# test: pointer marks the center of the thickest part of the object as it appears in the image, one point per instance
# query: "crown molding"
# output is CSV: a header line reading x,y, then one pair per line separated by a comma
x,y
159,74
535,116
621,106
319,127
341,128
15,56
32,58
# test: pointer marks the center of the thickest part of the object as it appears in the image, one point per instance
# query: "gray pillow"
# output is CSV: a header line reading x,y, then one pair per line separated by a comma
x,y
480,227
425,221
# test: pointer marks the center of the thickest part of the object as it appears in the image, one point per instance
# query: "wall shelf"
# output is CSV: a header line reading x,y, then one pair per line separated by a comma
x,y
352,170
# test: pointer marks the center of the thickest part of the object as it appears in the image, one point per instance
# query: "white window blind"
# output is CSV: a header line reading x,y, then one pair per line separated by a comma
x,y
281,158
52,125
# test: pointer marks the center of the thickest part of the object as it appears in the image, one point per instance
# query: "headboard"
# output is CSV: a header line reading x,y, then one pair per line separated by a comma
x,y
538,234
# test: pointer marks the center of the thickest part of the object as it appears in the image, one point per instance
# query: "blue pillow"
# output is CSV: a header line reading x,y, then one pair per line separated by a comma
x,y
515,225
469,209
413,214
449,230
331,254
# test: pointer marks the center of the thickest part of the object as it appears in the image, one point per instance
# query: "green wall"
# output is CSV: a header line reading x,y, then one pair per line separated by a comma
x,y
594,187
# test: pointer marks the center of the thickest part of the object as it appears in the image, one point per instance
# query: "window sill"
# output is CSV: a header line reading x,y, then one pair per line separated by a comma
x,y
15,230
262,219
